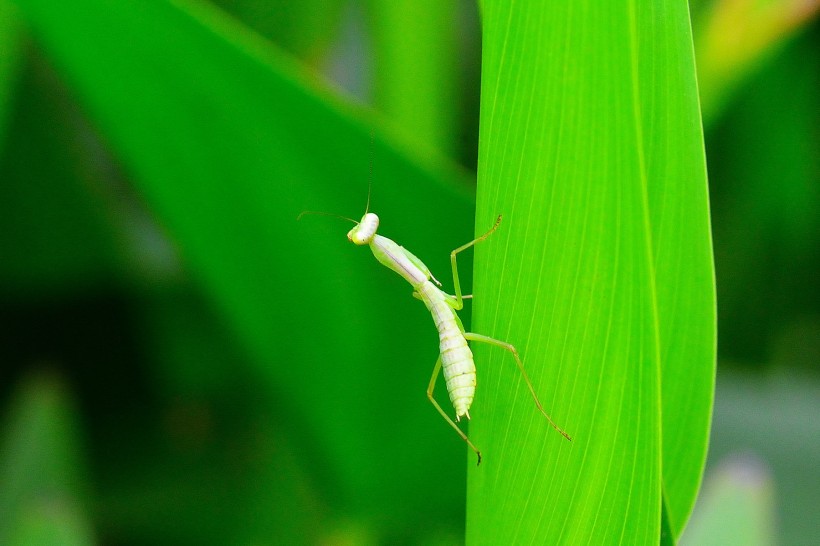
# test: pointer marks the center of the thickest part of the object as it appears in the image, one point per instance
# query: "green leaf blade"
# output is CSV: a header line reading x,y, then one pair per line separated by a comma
x,y
677,198
580,156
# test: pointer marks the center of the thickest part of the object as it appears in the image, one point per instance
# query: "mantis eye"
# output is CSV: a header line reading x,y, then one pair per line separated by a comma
x,y
364,231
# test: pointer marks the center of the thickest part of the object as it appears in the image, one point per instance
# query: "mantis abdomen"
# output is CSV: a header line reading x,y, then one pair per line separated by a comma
x,y
456,357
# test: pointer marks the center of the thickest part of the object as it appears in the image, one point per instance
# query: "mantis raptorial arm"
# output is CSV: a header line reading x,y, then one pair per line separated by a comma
x,y
456,284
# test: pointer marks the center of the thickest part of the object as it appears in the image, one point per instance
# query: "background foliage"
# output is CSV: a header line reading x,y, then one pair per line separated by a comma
x,y
184,363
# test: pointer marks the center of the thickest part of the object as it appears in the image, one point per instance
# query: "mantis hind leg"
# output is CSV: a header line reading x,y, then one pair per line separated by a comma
x,y
509,347
458,304
430,388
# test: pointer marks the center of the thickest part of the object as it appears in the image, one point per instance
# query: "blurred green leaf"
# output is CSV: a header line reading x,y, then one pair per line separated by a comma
x,y
416,73
737,507
55,232
769,418
54,524
767,197
42,478
303,28
601,274
228,140
10,41
734,38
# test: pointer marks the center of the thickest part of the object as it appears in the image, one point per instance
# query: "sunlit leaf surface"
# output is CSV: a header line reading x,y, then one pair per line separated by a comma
x,y
601,274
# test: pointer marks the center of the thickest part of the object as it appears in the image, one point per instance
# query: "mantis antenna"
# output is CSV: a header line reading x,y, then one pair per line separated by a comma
x,y
370,177
320,213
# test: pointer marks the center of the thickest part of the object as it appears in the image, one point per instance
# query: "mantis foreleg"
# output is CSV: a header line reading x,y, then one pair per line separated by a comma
x,y
458,304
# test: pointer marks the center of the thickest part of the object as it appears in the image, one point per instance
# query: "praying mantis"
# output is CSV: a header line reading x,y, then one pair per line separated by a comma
x,y
455,357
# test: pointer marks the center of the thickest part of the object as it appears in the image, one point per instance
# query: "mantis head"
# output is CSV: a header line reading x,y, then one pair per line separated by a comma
x,y
364,231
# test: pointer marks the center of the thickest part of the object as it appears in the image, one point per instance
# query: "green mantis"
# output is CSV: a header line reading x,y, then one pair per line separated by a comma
x,y
455,357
